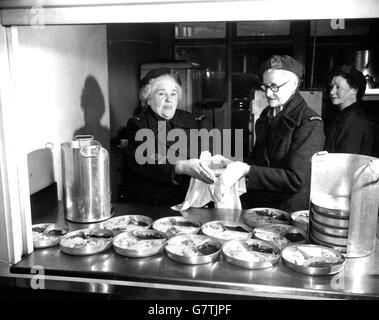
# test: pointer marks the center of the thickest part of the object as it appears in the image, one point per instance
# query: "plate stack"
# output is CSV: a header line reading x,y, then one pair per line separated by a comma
x,y
329,221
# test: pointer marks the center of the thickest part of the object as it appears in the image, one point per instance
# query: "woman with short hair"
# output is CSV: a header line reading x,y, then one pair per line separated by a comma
x,y
351,131
159,177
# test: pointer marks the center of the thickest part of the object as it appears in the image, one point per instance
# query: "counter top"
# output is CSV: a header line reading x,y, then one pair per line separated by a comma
x,y
113,274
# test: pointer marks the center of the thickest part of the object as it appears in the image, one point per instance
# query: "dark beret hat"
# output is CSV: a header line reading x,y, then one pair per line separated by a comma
x,y
282,62
155,73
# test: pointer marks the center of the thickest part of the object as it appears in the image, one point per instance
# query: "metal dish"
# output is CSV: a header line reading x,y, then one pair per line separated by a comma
x,y
335,241
193,249
138,244
225,230
331,222
312,259
86,241
174,226
338,248
260,216
47,235
251,253
332,205
300,219
280,235
336,232
128,223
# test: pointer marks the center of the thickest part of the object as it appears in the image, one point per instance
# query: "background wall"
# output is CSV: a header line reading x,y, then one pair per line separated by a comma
x,y
62,88
129,45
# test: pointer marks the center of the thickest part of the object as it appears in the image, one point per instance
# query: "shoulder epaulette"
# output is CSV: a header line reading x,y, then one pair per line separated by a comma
x,y
315,118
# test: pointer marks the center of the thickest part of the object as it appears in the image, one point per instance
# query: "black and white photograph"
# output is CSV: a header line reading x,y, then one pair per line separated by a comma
x,y
187,157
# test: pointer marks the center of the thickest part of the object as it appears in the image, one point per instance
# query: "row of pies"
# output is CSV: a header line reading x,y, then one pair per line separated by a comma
x,y
242,245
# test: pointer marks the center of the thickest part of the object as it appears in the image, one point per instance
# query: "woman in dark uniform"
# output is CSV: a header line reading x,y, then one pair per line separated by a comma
x,y
152,176
288,134
351,131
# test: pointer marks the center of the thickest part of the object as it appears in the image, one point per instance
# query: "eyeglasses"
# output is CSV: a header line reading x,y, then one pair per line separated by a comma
x,y
273,87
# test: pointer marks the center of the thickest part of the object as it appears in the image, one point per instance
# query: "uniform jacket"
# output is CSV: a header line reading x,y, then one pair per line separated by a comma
x,y
350,132
281,163
155,184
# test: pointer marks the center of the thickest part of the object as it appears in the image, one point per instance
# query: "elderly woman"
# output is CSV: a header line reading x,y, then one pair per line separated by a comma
x,y
288,134
351,131
155,175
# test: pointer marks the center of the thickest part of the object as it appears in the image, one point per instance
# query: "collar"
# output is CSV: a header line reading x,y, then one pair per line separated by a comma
x,y
292,110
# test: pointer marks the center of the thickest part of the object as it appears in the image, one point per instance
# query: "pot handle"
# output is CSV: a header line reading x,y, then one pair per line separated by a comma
x,y
83,139
90,151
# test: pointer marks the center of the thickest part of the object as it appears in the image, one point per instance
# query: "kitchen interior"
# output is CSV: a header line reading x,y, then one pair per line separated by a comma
x,y
84,80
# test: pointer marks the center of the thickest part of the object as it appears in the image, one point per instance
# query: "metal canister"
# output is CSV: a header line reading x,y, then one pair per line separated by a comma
x,y
86,183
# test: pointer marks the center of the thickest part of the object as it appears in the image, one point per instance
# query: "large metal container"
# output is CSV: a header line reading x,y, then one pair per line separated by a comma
x,y
344,200
85,177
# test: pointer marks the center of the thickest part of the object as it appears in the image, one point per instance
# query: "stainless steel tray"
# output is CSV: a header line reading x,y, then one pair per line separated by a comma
x,y
280,235
335,241
336,232
48,234
332,205
300,219
177,225
140,243
313,259
332,222
225,230
342,249
128,223
251,253
86,241
256,217
193,249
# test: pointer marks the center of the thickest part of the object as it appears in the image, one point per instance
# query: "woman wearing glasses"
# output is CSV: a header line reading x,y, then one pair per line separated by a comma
x,y
288,134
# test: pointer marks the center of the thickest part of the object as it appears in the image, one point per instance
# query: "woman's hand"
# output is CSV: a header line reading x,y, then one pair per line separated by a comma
x,y
217,162
195,168
232,174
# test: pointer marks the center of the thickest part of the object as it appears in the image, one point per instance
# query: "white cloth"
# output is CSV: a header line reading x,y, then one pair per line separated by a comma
x,y
200,193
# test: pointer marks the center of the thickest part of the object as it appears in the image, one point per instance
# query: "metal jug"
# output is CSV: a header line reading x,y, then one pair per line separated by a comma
x,y
85,178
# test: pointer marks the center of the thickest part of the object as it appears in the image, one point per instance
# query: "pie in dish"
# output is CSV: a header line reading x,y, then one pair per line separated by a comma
x,y
176,225
225,230
260,216
139,241
192,246
280,234
312,256
251,251
128,223
84,238
47,232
